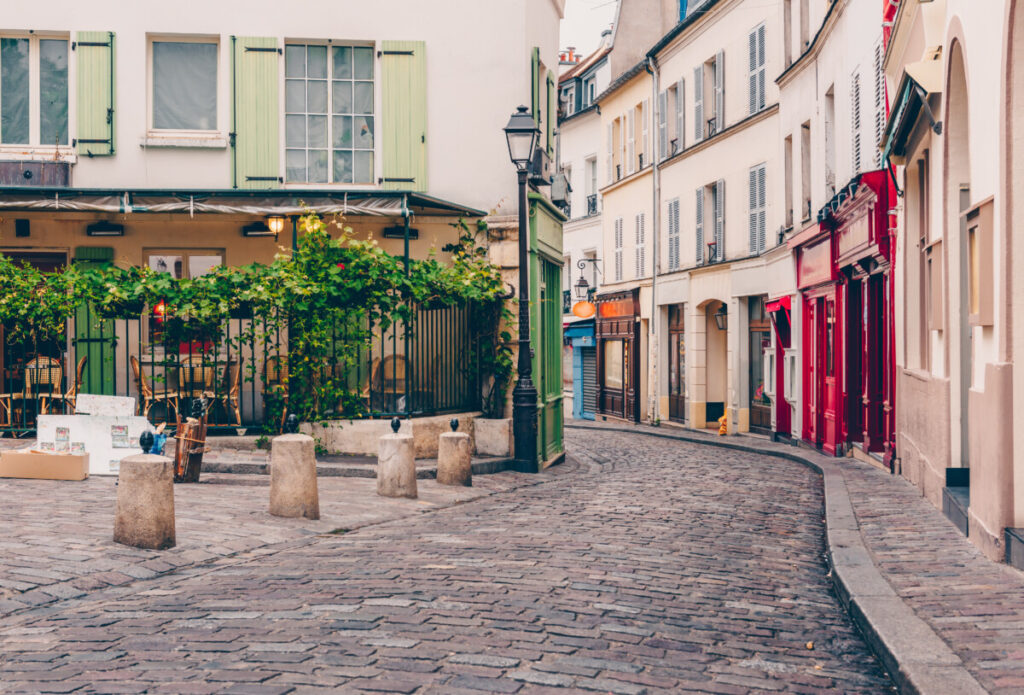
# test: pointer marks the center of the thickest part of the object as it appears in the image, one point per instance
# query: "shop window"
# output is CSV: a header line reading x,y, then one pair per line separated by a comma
x,y
34,85
980,263
830,339
184,85
182,264
613,371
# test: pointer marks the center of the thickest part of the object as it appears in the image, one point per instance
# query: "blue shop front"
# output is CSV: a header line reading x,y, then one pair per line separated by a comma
x,y
580,336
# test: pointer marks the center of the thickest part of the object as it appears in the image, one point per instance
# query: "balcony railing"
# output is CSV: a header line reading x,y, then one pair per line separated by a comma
x,y
591,205
566,301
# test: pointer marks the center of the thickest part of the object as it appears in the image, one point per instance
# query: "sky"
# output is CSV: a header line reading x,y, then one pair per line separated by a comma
x,y
584,21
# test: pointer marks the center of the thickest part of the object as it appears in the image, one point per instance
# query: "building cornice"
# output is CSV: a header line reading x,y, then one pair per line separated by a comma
x,y
635,176
812,52
748,122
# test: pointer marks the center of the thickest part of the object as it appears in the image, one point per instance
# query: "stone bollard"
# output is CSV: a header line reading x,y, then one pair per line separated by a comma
x,y
145,502
293,490
454,458
396,464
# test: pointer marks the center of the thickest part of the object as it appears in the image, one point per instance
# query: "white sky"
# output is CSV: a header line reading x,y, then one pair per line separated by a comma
x,y
584,21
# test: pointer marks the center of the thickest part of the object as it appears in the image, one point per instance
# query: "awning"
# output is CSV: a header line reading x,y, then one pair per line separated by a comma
x,y
920,80
780,304
231,202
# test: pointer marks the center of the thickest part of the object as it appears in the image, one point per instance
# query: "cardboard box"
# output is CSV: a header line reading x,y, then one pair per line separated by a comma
x,y
43,466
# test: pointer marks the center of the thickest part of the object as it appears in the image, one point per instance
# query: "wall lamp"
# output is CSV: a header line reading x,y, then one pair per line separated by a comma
x,y
105,228
722,317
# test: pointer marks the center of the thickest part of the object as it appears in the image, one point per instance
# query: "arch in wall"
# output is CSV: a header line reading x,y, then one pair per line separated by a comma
x,y
716,361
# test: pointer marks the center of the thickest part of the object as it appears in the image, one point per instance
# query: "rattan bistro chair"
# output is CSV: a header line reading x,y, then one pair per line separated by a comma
x,y
43,379
147,398
229,397
71,395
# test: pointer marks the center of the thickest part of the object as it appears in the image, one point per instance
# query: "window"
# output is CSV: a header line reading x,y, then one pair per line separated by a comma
x,y
678,93
805,170
709,97
670,120
756,76
711,214
805,25
673,234
182,264
613,359
787,30
569,99
788,173
980,264
641,246
34,89
643,112
589,89
855,148
662,125
630,141
758,207
329,114
591,183
184,85
618,249
830,143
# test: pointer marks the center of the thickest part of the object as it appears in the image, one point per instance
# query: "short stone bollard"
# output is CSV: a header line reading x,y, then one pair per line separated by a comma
x,y
145,502
293,490
396,464
454,458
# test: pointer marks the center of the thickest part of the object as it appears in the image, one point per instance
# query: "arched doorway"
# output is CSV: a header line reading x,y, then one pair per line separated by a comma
x,y
716,375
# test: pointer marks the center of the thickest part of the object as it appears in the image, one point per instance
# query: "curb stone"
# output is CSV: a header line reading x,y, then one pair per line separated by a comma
x,y
916,658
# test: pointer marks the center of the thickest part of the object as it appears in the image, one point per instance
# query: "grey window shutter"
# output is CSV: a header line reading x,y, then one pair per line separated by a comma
x,y
698,103
680,110
720,92
752,72
720,220
762,203
753,210
855,148
761,67
662,126
673,234
700,226
879,105
611,150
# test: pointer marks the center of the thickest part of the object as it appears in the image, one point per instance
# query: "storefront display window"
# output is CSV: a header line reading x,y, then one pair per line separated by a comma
x,y
613,373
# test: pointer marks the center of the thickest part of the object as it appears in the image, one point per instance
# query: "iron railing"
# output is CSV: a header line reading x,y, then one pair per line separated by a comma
x,y
428,365
591,204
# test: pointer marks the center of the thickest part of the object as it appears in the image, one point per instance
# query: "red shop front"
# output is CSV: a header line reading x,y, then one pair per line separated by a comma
x,y
844,272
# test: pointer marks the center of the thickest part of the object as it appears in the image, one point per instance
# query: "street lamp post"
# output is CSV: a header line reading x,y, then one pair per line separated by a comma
x,y
521,133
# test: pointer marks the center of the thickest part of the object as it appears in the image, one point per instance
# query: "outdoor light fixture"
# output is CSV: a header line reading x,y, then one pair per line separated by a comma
x,y
105,228
399,233
521,133
276,224
260,229
722,317
582,286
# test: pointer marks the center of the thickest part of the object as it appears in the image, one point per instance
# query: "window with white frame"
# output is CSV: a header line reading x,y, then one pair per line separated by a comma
x,y
618,249
711,222
569,99
184,84
329,114
641,246
33,90
756,76
758,208
709,97
673,234
589,91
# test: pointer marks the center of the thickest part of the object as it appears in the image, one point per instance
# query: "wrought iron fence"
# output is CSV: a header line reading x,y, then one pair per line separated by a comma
x,y
592,204
427,365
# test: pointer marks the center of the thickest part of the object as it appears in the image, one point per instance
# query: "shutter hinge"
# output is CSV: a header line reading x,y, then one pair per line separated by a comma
x,y
75,44
104,141
231,139
394,180
260,49
110,116
395,53
265,178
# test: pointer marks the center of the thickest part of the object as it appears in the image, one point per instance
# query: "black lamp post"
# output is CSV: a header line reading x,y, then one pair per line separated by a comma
x,y
521,133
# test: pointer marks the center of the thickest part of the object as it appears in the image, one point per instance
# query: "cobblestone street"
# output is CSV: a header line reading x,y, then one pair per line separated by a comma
x,y
646,566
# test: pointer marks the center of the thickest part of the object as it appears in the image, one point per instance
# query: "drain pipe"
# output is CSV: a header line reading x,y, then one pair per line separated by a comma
x,y
654,414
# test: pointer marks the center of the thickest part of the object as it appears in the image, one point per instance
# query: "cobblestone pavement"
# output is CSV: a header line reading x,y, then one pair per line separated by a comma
x,y
655,566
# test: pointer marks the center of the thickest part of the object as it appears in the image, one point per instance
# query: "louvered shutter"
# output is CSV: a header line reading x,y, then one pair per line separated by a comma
x,y
761,67
762,202
645,146
680,108
698,103
720,220
880,105
720,92
752,227
700,226
535,85
618,249
631,141
752,72
855,145
552,111
404,115
255,114
95,86
611,151
662,126
673,234
641,251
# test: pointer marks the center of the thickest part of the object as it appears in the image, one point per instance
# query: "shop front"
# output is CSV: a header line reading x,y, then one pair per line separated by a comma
x,y
580,338
844,275
776,358
618,354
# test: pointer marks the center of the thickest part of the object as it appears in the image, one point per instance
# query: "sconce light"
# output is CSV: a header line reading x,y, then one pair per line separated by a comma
x,y
276,224
105,228
722,317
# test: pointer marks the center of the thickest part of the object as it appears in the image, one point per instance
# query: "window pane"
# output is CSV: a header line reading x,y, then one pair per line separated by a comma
x,y
167,264
343,167
363,59
363,101
294,61
364,132
295,131
14,88
363,167
342,97
342,135
295,96
318,166
317,131
53,92
316,62
342,62
202,265
316,96
295,165
613,364
184,86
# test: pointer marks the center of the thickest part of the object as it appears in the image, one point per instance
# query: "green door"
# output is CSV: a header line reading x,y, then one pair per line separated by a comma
x,y
95,338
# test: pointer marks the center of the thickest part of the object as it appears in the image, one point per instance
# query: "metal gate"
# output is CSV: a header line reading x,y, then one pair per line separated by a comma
x,y
589,385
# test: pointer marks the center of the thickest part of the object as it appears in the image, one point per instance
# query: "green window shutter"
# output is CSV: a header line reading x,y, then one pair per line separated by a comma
x,y
255,113
95,109
404,91
551,115
535,85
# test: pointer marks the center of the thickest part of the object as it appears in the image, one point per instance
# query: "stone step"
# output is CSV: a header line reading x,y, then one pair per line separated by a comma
x,y
358,467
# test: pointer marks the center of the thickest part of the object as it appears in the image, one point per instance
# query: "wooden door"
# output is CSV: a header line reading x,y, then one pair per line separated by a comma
x,y
811,370
831,403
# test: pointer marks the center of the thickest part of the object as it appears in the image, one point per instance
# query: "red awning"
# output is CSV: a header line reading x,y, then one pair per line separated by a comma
x,y
783,303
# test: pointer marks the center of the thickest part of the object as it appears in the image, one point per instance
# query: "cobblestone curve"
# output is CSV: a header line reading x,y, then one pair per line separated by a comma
x,y
664,567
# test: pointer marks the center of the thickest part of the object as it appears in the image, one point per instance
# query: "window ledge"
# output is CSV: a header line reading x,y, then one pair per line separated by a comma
x,y
22,153
210,142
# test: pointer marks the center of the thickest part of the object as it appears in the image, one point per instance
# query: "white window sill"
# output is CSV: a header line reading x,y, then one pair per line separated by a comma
x,y
34,153
214,141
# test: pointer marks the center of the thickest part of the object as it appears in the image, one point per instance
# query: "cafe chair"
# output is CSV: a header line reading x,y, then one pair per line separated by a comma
x,y
147,399
71,395
229,398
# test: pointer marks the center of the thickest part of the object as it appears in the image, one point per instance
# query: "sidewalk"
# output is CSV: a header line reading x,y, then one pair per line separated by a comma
x,y
945,618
